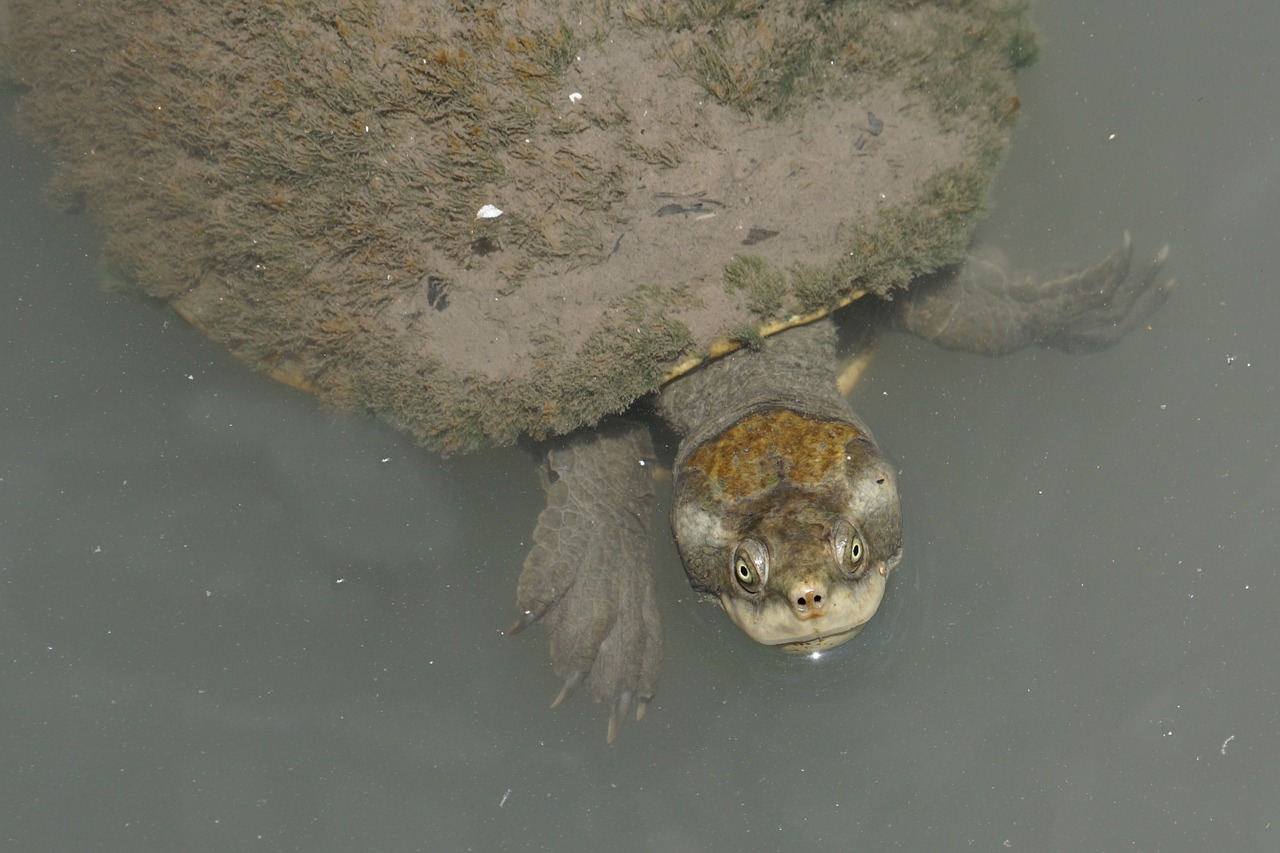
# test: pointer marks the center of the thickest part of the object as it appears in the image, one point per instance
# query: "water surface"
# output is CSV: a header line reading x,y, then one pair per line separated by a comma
x,y
232,620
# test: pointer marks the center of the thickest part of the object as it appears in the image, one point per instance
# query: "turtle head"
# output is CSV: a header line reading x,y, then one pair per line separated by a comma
x,y
792,523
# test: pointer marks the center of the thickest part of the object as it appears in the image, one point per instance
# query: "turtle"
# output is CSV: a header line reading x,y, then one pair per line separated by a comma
x,y
490,220
784,511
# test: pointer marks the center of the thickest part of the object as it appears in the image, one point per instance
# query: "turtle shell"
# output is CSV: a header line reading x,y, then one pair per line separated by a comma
x,y
487,218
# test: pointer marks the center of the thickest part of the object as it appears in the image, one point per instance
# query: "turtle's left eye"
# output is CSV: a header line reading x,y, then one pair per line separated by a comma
x,y
850,550
855,551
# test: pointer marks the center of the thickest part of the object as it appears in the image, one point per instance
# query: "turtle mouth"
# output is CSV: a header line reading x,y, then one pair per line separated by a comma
x,y
772,622
821,643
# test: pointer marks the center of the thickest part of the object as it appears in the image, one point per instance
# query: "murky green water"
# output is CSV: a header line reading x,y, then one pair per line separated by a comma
x,y
231,620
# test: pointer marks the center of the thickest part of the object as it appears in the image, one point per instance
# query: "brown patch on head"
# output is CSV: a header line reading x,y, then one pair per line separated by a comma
x,y
760,451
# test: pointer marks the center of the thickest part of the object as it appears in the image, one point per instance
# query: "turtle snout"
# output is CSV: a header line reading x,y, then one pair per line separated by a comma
x,y
809,599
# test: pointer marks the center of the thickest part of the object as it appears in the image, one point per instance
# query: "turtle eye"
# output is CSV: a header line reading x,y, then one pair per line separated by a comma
x,y
749,567
850,550
855,551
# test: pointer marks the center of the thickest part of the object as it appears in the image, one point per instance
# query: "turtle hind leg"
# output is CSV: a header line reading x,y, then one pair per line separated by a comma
x,y
985,307
588,578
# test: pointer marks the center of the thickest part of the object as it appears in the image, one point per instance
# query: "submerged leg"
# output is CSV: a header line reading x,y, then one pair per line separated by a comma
x,y
987,308
588,577
850,370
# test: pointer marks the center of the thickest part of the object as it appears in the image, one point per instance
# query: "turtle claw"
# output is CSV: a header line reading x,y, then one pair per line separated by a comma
x,y
617,714
526,619
570,685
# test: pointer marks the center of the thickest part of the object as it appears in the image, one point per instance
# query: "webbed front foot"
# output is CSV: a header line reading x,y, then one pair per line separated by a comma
x,y
588,577
988,308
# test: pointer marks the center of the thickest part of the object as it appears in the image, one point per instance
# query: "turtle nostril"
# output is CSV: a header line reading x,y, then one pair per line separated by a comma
x,y
809,601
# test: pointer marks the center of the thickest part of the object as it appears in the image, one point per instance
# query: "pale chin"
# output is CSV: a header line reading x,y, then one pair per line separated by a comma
x,y
773,623
821,644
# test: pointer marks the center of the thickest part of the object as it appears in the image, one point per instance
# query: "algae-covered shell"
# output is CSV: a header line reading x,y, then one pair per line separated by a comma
x,y
302,181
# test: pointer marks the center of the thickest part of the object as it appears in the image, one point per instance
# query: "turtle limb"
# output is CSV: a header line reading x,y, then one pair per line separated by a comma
x,y
850,370
588,578
988,308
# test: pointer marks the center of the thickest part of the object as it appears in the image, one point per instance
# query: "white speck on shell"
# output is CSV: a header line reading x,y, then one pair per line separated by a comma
x,y
488,212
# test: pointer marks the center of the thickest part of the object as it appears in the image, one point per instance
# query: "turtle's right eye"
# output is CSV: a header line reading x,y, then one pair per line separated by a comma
x,y
750,566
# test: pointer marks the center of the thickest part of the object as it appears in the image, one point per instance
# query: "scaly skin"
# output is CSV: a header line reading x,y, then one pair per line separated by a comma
x,y
986,307
589,578
762,479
